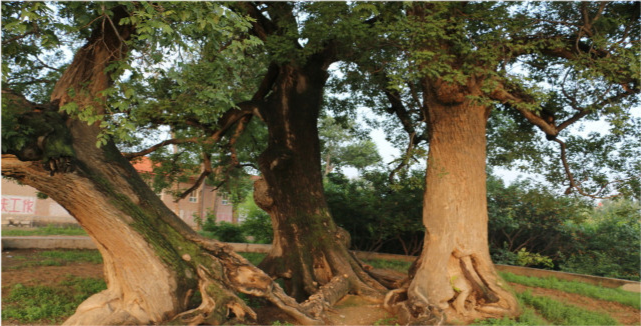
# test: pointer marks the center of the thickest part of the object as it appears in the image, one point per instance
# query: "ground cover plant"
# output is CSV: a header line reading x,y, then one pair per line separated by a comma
x,y
58,258
559,313
588,290
47,230
48,304
545,311
527,317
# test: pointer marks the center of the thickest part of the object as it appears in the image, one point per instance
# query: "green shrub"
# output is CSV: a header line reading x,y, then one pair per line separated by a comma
x,y
608,243
526,214
257,224
379,215
223,231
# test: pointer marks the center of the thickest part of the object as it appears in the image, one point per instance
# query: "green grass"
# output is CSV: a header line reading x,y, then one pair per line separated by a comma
x,y
47,230
59,258
27,304
254,257
554,312
560,313
86,256
396,265
527,317
386,321
588,290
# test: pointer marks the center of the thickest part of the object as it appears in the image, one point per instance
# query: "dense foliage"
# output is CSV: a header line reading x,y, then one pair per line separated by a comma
x,y
528,218
607,242
529,224
379,215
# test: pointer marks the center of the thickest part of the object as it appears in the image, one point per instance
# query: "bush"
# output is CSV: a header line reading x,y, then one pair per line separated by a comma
x,y
521,258
608,243
379,215
257,225
525,214
223,231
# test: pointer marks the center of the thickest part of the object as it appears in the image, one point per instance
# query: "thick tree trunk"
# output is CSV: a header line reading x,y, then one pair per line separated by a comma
x,y
454,279
154,263
308,248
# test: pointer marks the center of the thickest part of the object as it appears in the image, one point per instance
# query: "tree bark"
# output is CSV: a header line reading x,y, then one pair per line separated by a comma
x,y
153,262
309,250
454,279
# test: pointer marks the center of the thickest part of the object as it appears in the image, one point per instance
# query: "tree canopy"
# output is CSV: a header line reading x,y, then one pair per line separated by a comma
x,y
244,85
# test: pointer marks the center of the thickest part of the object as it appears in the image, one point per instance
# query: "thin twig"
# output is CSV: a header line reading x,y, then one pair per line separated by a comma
x,y
207,170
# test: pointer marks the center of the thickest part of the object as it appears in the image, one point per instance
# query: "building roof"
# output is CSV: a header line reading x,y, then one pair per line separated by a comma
x,y
143,164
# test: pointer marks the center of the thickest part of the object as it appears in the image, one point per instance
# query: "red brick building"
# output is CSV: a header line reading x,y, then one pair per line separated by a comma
x,y
201,201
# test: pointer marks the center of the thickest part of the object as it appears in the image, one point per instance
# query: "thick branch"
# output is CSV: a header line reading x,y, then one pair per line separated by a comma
x,y
173,141
228,119
516,98
262,27
86,73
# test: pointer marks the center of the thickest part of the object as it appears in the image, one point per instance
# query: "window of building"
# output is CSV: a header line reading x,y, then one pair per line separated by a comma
x,y
193,197
225,199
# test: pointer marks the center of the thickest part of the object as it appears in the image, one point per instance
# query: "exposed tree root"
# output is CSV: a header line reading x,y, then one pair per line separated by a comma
x,y
474,292
246,278
217,304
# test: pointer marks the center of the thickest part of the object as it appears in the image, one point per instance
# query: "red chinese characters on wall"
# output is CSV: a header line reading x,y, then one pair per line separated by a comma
x,y
18,205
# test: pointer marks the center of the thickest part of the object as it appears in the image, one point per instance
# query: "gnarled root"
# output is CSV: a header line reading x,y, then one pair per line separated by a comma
x,y
467,289
412,311
217,304
246,278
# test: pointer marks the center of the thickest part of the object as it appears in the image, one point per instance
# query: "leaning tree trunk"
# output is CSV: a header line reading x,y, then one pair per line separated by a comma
x,y
309,250
454,279
154,263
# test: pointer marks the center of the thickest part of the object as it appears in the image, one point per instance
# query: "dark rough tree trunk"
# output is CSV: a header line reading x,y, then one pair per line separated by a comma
x,y
309,250
454,279
153,262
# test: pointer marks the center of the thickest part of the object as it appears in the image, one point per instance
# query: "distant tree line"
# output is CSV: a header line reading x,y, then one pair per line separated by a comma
x,y
529,224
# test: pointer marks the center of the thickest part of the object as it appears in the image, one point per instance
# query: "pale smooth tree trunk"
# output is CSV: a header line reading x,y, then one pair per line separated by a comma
x,y
454,279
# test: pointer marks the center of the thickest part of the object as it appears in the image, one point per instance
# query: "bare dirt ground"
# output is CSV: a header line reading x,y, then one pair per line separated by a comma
x,y
351,310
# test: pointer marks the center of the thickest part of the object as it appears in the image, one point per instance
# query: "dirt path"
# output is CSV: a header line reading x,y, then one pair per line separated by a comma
x,y
624,314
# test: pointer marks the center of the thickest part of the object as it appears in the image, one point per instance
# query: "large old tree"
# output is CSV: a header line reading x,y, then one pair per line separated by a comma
x,y
154,263
285,90
449,64
546,64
